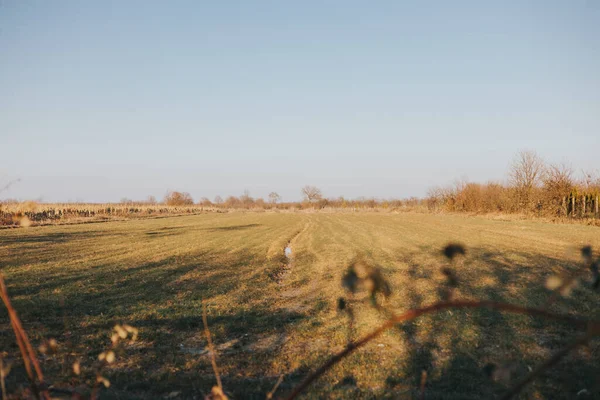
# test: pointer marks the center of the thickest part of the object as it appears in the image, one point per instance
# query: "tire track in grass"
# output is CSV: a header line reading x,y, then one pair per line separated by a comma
x,y
284,254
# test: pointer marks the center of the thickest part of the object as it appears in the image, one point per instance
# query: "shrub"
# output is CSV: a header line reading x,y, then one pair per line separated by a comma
x,y
178,199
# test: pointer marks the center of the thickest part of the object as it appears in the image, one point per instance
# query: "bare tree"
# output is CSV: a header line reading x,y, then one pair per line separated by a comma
x,y
526,172
311,193
218,200
274,197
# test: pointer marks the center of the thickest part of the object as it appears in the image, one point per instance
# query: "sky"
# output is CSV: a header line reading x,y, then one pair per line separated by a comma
x,y
110,99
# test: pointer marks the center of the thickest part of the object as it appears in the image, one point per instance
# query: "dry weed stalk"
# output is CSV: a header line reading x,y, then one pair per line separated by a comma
x,y
119,334
216,392
423,382
272,392
39,388
29,356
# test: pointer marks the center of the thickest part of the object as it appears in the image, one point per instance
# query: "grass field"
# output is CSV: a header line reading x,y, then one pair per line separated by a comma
x,y
268,317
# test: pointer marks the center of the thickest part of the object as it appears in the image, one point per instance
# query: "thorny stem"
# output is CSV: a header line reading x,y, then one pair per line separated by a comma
x,y
437,307
211,348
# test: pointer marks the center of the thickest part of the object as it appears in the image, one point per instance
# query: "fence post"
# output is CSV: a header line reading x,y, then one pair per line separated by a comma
x,y
583,205
564,206
596,205
573,206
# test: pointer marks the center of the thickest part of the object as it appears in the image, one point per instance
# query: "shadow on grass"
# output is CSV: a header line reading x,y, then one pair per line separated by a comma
x,y
453,347
26,247
52,238
239,339
163,299
232,228
167,231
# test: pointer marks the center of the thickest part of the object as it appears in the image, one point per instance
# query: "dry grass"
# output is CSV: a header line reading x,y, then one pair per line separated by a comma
x,y
73,283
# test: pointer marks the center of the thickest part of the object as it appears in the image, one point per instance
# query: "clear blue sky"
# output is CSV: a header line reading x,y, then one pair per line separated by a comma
x,y
108,99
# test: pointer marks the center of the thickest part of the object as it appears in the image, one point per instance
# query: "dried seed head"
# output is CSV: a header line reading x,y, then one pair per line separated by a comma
x,y
120,331
48,347
362,268
110,357
453,249
133,331
6,367
76,368
103,380
553,282
568,287
129,328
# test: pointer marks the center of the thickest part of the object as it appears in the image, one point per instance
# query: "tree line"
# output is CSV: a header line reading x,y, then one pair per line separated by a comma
x,y
532,187
312,198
